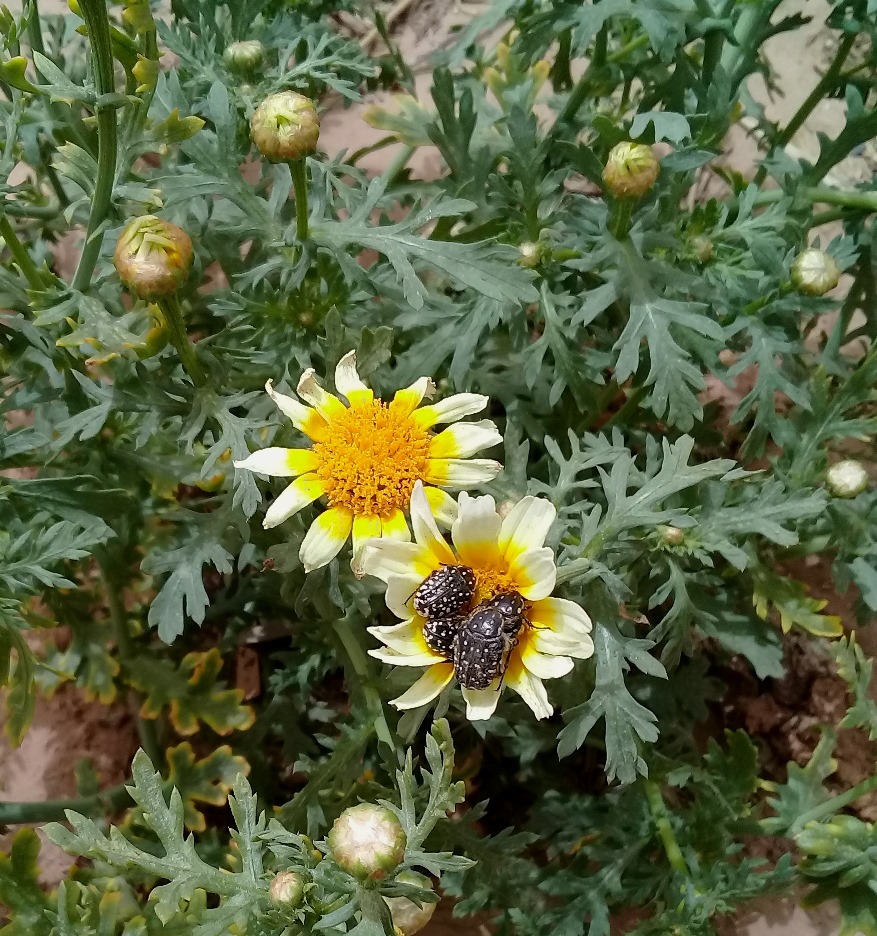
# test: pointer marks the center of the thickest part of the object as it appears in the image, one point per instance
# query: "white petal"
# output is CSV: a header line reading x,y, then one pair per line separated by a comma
x,y
323,541
299,494
400,593
325,403
464,439
546,641
300,414
407,400
426,532
403,638
396,527
525,526
535,573
461,472
425,658
427,687
442,505
531,690
386,558
481,703
546,666
475,530
565,618
450,409
347,381
280,462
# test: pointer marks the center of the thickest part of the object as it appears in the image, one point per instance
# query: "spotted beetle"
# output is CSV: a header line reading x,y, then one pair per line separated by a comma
x,y
484,641
445,592
439,633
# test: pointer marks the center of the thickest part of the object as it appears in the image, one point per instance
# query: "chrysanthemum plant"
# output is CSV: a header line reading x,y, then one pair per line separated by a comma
x,y
542,454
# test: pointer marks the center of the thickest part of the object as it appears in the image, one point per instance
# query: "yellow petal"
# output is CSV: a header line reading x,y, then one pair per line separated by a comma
x,y
534,573
325,403
407,400
403,638
461,472
299,494
525,526
475,531
464,439
425,530
348,383
396,527
365,528
280,462
385,558
427,687
305,419
564,618
450,409
323,541
442,506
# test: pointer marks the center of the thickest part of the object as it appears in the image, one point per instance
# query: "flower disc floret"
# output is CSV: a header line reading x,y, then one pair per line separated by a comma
x,y
507,555
367,456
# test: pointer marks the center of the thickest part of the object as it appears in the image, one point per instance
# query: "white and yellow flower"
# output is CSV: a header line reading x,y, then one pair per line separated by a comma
x,y
506,554
367,455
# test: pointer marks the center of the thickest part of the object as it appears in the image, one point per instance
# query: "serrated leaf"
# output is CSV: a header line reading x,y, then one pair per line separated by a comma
x,y
20,891
795,607
804,789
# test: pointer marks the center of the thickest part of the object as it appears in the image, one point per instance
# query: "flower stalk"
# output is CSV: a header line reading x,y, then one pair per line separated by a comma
x,y
172,313
661,818
20,255
299,171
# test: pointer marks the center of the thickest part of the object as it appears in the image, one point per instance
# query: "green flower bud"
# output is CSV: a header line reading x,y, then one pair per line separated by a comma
x,y
814,272
703,248
244,56
671,535
847,478
286,890
285,127
153,257
531,254
367,841
407,917
630,170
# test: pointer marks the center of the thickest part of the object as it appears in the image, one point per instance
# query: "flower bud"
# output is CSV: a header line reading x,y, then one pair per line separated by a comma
x,y
285,127
286,889
702,248
246,56
367,841
153,257
631,170
814,272
671,535
531,254
407,917
846,478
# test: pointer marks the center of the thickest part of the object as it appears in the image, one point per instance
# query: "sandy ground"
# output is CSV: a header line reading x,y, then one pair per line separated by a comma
x,y
67,728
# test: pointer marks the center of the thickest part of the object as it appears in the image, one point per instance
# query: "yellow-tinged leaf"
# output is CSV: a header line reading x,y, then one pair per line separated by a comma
x,y
789,598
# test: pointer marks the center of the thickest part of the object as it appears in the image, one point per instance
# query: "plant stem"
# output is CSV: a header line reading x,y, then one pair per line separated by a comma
x,y
836,803
109,801
173,319
626,408
619,219
658,809
583,85
713,41
26,210
362,669
94,13
299,172
862,201
20,254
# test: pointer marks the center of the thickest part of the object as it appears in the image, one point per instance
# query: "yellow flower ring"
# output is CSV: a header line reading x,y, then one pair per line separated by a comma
x,y
506,554
366,457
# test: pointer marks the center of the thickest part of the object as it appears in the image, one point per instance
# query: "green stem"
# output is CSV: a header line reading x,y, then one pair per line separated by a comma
x,y
658,809
94,13
862,201
173,319
399,163
20,255
619,221
25,210
836,803
299,171
583,86
626,408
362,668
119,618
101,804
713,41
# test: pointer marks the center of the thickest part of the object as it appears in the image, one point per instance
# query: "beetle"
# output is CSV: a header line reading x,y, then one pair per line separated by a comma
x,y
445,592
439,633
486,638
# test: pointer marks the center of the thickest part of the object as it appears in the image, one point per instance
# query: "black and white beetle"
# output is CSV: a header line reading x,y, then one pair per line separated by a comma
x,y
445,592
439,633
485,640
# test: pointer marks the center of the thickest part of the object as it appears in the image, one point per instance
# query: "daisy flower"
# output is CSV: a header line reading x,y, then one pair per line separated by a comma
x,y
506,554
367,455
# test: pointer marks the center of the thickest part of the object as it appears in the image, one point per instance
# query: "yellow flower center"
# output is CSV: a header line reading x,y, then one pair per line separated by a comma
x,y
490,581
369,458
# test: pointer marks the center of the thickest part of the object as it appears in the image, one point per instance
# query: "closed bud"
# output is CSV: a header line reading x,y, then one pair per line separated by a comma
x,y
246,56
531,254
367,841
407,917
286,889
631,170
814,272
285,127
703,249
671,535
846,478
153,257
